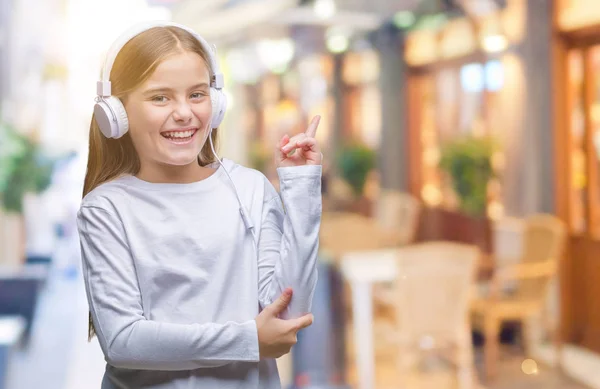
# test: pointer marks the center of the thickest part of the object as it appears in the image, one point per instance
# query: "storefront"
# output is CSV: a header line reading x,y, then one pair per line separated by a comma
x,y
465,79
577,132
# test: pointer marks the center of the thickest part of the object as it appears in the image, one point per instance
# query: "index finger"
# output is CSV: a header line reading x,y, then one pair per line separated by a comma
x,y
312,127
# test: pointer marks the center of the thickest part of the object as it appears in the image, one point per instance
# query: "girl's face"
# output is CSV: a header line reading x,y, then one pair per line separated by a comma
x,y
169,114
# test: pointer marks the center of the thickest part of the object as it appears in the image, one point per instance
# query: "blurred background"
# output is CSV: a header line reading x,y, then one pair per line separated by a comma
x,y
460,242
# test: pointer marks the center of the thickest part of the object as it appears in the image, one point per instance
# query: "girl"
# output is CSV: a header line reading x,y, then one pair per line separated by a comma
x,y
190,261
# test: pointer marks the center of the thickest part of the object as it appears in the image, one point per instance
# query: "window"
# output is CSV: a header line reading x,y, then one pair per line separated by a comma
x,y
452,102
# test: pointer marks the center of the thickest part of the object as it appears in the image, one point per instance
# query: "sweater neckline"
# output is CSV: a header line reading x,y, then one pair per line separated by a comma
x,y
203,184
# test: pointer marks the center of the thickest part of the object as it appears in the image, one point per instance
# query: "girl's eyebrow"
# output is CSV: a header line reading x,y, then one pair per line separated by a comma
x,y
167,89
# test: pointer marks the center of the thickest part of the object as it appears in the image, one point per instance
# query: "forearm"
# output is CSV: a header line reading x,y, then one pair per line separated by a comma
x,y
296,269
150,345
297,246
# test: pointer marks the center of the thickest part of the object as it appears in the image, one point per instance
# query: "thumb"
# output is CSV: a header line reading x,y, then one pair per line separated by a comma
x,y
282,302
303,321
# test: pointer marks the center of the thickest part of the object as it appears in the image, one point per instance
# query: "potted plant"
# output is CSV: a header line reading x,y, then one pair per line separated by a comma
x,y
354,162
24,169
467,161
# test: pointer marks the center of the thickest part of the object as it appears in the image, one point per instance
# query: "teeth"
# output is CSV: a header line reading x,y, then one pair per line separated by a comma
x,y
179,134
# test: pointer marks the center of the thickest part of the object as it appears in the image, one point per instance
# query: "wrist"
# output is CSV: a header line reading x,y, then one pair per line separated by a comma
x,y
253,342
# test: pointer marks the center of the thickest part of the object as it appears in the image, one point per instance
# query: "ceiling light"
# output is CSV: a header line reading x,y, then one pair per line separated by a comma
x,y
337,39
494,43
337,43
324,9
276,54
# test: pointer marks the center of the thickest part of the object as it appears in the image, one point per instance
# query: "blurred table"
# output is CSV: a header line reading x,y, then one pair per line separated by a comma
x,y
362,269
20,287
366,254
342,232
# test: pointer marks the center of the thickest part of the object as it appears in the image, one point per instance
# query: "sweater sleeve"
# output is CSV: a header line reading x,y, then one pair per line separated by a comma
x,y
129,340
289,239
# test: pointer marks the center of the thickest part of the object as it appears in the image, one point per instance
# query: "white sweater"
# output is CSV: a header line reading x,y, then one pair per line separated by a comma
x,y
173,281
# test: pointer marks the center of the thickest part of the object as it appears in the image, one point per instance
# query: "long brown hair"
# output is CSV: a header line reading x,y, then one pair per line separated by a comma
x,y
135,63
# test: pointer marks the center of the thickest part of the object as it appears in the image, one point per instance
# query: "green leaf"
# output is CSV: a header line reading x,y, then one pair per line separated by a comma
x,y
467,161
355,161
11,148
24,167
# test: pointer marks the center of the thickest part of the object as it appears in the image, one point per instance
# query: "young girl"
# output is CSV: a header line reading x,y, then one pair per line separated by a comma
x,y
189,260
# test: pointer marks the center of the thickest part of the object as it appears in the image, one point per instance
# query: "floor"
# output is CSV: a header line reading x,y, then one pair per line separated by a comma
x,y
59,356
511,375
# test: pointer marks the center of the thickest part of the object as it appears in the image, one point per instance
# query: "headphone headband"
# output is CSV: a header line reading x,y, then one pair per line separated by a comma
x,y
104,86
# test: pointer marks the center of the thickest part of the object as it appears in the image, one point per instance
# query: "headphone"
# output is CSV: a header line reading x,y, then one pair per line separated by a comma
x,y
109,111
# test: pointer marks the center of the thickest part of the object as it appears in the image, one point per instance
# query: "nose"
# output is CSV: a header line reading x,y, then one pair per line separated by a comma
x,y
182,112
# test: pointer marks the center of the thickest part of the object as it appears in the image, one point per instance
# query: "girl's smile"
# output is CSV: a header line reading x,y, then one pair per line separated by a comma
x,y
180,136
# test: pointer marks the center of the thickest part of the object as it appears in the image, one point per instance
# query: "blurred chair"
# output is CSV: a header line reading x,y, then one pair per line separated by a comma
x,y
507,237
398,214
544,238
394,224
432,295
339,195
508,240
343,232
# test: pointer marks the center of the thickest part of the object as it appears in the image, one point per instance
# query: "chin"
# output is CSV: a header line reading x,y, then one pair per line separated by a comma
x,y
180,155
181,160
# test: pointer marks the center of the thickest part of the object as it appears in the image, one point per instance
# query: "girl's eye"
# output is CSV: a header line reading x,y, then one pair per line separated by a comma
x,y
159,99
196,95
